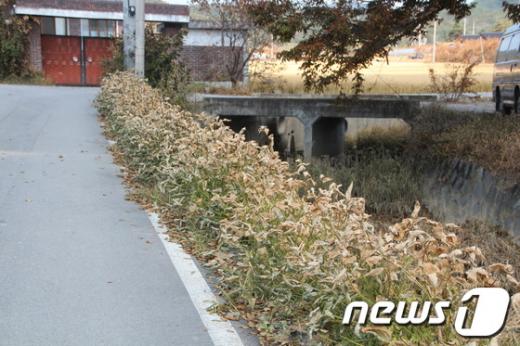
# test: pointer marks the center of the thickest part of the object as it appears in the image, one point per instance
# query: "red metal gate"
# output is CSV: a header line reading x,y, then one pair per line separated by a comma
x,y
97,50
69,60
61,59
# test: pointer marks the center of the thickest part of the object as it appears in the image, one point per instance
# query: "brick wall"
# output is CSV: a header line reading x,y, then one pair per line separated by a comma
x,y
34,51
206,63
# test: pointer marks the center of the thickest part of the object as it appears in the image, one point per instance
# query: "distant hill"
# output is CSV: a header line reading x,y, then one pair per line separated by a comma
x,y
487,16
490,4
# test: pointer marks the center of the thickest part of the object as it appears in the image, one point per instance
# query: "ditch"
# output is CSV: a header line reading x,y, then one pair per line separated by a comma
x,y
445,163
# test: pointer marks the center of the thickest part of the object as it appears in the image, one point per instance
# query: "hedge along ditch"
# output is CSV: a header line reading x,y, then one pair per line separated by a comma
x,y
290,256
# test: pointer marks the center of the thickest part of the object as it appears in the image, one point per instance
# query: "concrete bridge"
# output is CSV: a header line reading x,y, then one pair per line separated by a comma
x,y
320,120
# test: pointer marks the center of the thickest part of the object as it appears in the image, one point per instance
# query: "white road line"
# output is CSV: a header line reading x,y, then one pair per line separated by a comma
x,y
222,333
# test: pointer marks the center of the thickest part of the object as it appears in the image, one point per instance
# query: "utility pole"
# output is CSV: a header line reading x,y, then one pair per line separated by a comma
x,y
129,34
465,23
272,45
139,38
481,49
473,31
434,52
133,36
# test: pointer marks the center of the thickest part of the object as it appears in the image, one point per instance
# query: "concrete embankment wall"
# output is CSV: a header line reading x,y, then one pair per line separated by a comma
x,y
459,191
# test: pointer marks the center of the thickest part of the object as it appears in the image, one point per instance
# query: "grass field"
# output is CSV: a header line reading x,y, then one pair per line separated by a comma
x,y
380,77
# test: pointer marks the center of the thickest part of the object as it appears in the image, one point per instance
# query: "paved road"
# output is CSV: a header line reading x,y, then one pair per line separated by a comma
x,y
79,265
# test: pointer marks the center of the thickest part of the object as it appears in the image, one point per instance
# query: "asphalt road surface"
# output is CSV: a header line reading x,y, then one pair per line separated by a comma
x,y
79,265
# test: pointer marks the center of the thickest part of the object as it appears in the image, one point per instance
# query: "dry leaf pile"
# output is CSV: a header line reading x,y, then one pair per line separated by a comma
x,y
290,256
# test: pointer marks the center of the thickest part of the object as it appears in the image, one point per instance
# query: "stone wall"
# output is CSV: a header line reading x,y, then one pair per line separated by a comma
x,y
458,191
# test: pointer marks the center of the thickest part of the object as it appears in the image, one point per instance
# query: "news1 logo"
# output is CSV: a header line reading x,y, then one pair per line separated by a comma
x,y
488,318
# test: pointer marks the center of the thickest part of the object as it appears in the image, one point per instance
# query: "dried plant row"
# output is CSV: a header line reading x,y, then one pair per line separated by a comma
x,y
290,256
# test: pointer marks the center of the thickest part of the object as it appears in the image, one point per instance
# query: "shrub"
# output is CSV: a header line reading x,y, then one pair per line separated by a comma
x,y
488,140
492,142
291,255
163,68
13,40
459,80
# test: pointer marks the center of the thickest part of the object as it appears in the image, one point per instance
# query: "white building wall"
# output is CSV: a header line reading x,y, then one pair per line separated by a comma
x,y
206,37
200,37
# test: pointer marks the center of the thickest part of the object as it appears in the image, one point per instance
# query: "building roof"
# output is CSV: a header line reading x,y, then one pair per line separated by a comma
x,y
155,11
491,34
209,25
484,35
